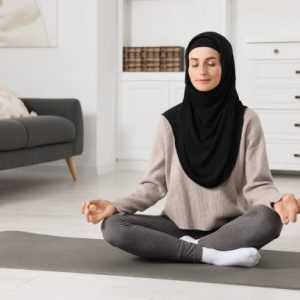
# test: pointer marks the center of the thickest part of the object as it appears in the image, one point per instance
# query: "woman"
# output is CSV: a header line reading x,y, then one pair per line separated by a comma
x,y
209,155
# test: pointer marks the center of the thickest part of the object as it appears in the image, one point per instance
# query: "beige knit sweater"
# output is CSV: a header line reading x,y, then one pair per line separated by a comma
x,y
192,206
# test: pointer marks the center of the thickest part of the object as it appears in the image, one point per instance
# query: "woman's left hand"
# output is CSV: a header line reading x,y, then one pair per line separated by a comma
x,y
287,208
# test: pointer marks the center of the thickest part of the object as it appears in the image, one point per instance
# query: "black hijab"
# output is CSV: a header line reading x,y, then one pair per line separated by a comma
x,y
207,126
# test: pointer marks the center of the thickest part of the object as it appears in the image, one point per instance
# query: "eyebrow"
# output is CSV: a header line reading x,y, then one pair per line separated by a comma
x,y
193,58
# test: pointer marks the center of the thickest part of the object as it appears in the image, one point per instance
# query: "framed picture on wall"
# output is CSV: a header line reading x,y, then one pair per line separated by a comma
x,y
28,23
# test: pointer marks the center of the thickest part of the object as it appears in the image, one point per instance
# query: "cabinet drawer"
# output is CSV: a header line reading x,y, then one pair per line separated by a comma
x,y
283,155
275,97
273,50
278,71
280,125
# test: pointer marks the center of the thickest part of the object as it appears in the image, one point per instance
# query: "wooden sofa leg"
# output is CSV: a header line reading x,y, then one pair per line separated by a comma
x,y
72,167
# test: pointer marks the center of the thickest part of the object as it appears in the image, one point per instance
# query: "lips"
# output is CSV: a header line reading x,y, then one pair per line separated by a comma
x,y
202,80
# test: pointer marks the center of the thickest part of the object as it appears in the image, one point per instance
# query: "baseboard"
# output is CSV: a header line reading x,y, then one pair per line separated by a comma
x,y
131,165
84,171
285,172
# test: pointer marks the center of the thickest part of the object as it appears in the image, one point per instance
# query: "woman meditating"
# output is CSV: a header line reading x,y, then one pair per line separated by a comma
x,y
209,159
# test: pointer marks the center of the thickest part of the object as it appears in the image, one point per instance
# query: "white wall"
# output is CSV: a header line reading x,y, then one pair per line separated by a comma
x,y
171,22
73,69
107,86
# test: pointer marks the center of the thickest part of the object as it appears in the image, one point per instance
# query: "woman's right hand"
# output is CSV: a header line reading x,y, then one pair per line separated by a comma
x,y
97,210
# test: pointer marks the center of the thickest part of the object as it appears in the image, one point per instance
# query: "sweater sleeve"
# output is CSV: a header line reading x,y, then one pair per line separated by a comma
x,y
259,187
153,185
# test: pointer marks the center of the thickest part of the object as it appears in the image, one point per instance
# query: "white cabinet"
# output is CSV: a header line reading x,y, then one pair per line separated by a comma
x,y
274,93
140,105
176,92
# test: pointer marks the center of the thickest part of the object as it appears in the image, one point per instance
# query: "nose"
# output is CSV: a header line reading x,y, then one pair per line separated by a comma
x,y
202,70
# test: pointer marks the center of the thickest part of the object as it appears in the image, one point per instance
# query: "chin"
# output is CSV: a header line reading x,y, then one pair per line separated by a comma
x,y
204,89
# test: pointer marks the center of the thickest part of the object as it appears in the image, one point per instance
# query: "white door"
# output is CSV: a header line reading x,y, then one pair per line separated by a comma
x,y
141,104
176,92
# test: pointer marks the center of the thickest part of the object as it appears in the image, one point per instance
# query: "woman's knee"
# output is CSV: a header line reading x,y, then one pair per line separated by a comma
x,y
112,230
268,220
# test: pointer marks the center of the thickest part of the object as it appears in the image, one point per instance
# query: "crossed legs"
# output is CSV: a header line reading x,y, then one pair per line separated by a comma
x,y
158,236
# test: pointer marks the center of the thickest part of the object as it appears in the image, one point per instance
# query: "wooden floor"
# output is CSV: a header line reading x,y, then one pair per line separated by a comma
x,y
35,201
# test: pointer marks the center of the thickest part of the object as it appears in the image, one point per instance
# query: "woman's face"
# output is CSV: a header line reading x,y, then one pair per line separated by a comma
x,y
204,68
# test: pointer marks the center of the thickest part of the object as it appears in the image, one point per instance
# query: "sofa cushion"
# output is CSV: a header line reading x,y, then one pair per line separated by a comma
x,y
45,130
13,135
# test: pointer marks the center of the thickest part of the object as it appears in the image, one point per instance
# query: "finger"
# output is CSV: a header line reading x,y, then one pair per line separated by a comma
x,y
88,203
97,218
298,202
290,195
82,207
92,207
293,198
87,212
284,218
85,205
90,216
95,202
100,216
293,216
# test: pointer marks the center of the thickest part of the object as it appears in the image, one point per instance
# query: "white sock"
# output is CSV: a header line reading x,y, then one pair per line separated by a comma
x,y
246,257
189,239
238,257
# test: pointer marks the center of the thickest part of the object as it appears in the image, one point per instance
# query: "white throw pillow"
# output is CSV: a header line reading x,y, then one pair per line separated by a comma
x,y
11,106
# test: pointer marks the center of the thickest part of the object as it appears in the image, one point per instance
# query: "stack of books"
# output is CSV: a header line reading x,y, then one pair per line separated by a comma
x,y
153,59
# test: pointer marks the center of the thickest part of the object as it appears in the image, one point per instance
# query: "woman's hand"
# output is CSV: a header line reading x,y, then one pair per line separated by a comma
x,y
97,210
288,208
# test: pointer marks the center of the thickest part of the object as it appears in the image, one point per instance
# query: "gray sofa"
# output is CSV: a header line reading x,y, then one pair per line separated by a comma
x,y
57,133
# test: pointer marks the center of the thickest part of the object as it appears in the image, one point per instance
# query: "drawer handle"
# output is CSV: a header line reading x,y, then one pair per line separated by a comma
x,y
297,155
297,125
276,51
297,71
297,97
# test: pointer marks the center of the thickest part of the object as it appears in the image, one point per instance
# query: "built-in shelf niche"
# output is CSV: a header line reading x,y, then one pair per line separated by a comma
x,y
165,23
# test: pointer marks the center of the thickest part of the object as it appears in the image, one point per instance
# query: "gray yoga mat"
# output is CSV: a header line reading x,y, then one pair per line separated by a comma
x,y
22,250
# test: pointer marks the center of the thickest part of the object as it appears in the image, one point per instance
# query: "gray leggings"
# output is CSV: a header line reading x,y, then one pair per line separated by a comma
x,y
158,237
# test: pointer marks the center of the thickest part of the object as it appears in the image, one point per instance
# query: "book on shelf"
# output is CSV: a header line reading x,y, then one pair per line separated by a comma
x,y
153,59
